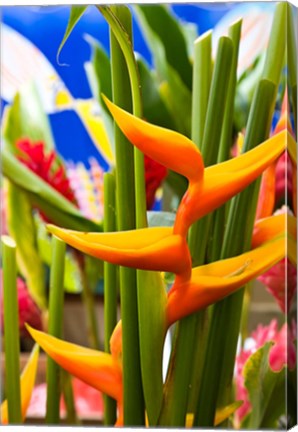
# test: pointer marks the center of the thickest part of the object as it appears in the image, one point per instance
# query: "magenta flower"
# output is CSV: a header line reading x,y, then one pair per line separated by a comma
x,y
28,310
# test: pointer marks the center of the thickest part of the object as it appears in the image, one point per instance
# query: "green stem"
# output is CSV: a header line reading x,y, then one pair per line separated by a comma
x,y
89,303
125,200
56,298
110,287
202,73
11,330
69,399
226,142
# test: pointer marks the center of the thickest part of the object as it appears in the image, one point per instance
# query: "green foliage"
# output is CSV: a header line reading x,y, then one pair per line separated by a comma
x,y
266,390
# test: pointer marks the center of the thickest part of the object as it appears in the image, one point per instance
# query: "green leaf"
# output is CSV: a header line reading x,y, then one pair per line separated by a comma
x,y
262,384
166,40
72,278
25,118
152,329
154,108
75,14
24,234
58,209
175,95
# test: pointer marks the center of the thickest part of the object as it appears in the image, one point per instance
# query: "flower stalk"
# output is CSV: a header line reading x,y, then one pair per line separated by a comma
x,y
11,330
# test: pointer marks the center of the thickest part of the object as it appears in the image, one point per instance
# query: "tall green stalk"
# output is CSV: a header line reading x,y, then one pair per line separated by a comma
x,y
225,143
225,325
56,298
110,287
125,200
11,330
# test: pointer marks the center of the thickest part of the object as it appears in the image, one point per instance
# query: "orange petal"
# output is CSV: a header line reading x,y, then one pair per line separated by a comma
x,y
213,282
27,384
147,249
167,147
97,369
223,181
268,228
266,199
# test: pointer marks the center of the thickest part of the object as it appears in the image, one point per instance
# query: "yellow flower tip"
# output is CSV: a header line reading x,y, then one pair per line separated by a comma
x,y
26,384
169,148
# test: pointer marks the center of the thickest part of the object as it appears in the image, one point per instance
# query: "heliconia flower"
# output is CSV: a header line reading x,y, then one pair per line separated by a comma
x,y
26,386
98,369
28,310
267,228
212,282
46,166
208,188
281,354
155,248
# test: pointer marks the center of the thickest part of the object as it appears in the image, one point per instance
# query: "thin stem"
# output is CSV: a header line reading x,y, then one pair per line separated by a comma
x,y
89,303
56,298
110,287
226,141
11,330
125,200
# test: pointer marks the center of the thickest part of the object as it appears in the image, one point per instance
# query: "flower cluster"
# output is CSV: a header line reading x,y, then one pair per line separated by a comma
x,y
166,248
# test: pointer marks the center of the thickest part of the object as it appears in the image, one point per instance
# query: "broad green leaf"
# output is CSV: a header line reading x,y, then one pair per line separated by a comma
x,y
262,384
58,209
152,329
102,68
154,108
72,276
75,14
25,118
158,20
176,95
24,234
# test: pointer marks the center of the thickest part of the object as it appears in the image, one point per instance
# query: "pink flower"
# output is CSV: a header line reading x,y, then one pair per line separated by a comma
x,y
88,401
281,287
281,354
284,175
28,310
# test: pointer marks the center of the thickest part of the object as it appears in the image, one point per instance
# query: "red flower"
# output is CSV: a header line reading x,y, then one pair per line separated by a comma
x,y
154,175
46,166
